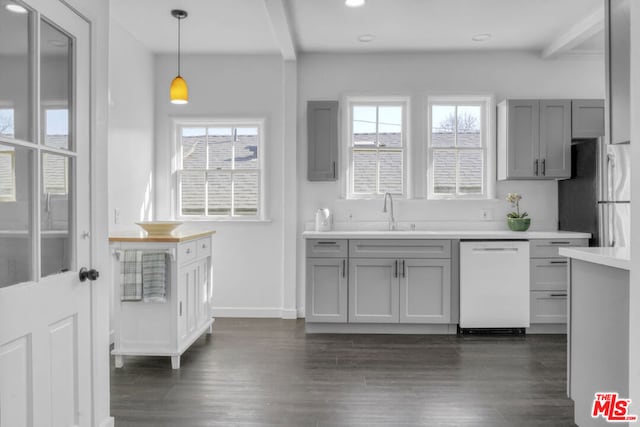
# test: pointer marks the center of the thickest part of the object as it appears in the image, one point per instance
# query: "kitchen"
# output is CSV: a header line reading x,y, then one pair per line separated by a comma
x,y
140,135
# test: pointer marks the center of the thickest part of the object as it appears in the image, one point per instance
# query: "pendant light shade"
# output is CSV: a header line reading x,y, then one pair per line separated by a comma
x,y
179,91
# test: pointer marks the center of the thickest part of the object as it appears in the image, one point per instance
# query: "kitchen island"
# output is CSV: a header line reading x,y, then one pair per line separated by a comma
x,y
598,339
363,281
168,323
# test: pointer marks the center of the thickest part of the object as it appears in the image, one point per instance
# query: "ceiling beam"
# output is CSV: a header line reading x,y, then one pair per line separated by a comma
x,y
588,27
282,30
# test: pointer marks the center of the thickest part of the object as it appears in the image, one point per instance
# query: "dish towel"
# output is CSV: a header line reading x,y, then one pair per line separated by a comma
x,y
154,276
131,275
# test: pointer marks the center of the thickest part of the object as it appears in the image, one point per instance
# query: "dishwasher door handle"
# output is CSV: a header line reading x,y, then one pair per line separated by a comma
x,y
495,249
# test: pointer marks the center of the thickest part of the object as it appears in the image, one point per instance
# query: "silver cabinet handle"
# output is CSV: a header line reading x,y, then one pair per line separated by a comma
x,y
327,243
188,250
334,169
204,246
557,262
558,295
180,308
535,167
560,243
544,166
344,268
403,270
395,274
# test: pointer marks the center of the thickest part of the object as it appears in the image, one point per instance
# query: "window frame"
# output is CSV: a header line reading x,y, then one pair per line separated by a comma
x,y
379,101
487,138
176,156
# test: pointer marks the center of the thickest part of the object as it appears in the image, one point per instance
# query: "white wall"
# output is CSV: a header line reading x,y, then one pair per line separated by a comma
x,y
131,127
501,74
247,256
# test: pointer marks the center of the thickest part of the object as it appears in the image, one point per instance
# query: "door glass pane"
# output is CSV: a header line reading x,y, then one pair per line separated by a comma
x,y
15,70
16,194
55,214
55,89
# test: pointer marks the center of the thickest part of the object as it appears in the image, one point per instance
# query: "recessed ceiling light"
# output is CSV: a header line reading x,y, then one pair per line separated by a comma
x,y
354,3
481,37
15,8
366,38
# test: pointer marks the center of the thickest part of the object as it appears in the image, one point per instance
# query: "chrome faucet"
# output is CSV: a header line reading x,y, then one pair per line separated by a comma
x,y
392,220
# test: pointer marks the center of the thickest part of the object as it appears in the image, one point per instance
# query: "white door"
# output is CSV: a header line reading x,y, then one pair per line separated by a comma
x,y
45,311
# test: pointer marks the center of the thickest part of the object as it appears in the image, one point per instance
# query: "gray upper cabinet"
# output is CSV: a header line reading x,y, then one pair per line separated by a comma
x,y
534,139
322,140
587,118
618,62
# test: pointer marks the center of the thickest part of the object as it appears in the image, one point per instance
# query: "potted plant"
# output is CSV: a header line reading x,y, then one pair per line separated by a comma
x,y
515,220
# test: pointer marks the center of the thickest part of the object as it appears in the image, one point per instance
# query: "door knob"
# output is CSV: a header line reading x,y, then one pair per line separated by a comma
x,y
85,274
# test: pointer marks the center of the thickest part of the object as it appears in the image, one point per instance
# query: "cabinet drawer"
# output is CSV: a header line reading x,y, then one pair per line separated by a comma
x,y
548,248
548,274
389,248
186,252
327,248
548,307
203,247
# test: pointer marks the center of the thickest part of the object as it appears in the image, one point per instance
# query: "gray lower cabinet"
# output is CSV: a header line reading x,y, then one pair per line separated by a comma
x,y
326,290
326,294
587,118
548,282
400,281
373,291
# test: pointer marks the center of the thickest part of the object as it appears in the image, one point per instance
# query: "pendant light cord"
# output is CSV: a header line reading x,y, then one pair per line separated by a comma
x,y
179,19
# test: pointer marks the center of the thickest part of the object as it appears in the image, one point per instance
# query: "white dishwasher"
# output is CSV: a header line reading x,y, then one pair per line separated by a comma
x,y
494,285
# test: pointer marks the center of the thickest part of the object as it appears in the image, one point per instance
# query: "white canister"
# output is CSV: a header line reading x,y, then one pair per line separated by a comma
x,y
323,220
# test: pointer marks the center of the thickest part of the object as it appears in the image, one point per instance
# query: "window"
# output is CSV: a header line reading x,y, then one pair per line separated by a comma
x,y
377,141
220,170
7,174
457,148
7,127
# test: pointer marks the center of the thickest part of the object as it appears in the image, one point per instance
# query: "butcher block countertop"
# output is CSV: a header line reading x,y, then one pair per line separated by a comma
x,y
175,237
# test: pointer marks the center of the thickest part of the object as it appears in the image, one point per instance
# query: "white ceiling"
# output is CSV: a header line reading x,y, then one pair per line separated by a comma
x,y
249,26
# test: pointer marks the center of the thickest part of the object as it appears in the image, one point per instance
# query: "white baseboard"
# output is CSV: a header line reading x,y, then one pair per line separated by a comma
x,y
255,312
108,422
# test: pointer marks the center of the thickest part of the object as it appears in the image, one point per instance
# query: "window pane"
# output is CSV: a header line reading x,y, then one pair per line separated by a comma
x,y
219,193
390,126
469,126
365,168
15,217
7,126
364,125
444,171
443,125
220,148
56,132
15,66
246,149
7,174
194,154
390,171
245,194
470,171
55,215
55,92
192,191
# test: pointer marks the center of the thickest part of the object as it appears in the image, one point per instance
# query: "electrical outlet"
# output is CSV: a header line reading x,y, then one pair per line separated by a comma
x,y
486,214
116,216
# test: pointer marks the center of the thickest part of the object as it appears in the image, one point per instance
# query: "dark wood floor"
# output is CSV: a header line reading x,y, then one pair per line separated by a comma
x,y
254,372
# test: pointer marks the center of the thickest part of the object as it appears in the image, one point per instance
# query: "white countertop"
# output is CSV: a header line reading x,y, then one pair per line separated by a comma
x,y
444,234
612,257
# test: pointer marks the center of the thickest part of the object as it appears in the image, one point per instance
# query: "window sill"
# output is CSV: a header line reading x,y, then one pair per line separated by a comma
x,y
231,220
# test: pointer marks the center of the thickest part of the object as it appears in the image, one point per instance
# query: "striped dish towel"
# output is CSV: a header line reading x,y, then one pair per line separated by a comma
x,y
131,275
154,276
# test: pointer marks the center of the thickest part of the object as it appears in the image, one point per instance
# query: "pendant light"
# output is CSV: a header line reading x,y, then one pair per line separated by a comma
x,y
179,91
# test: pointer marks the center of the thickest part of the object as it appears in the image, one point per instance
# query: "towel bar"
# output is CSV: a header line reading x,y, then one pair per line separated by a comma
x,y
118,252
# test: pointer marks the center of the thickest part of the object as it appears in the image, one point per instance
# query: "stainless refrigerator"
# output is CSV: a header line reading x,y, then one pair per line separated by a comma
x,y
597,198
